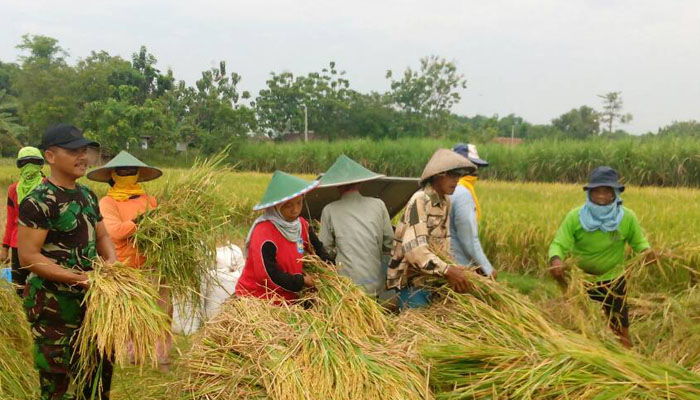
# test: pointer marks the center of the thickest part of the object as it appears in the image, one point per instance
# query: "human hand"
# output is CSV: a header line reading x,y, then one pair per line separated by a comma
x,y
4,254
309,281
84,282
457,278
650,257
558,270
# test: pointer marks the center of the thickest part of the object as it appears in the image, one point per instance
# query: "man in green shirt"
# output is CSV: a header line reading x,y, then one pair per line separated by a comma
x,y
595,234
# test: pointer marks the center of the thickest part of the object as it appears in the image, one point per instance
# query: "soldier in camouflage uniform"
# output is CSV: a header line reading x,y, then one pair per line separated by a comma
x,y
60,235
423,229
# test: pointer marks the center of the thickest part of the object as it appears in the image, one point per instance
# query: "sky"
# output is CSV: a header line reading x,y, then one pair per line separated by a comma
x,y
535,58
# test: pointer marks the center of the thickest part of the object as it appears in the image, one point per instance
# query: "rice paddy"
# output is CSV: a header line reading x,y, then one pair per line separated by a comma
x,y
519,221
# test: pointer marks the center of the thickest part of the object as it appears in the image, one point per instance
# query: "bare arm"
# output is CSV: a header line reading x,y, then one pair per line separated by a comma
x,y
29,243
105,246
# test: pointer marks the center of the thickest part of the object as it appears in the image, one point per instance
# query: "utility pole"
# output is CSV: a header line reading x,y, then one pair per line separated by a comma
x,y
306,123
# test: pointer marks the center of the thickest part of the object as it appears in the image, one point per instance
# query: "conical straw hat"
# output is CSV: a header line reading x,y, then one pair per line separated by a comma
x,y
124,159
446,160
283,187
345,171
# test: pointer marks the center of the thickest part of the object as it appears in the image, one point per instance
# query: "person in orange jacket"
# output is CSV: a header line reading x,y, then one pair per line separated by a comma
x,y
125,202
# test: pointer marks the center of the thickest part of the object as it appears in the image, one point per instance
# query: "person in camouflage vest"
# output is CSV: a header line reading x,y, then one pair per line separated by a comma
x,y
60,235
423,233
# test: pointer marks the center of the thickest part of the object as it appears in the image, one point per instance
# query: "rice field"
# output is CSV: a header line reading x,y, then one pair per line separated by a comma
x,y
519,221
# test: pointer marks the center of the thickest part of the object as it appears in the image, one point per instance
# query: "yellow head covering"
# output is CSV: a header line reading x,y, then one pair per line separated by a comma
x,y
124,187
468,182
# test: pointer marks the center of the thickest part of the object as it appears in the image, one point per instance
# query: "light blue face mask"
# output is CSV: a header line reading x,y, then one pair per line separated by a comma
x,y
606,218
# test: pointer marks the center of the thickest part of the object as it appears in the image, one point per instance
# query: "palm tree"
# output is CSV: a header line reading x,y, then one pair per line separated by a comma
x,y
9,122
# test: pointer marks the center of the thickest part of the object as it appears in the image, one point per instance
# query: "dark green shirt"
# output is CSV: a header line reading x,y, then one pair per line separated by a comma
x,y
70,216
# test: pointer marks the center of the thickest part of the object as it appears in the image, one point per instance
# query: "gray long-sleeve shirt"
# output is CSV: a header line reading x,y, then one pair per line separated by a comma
x,y
356,231
465,246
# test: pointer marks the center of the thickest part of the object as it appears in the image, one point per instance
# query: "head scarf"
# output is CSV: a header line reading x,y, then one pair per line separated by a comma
x,y
290,230
468,181
125,187
606,218
30,177
30,174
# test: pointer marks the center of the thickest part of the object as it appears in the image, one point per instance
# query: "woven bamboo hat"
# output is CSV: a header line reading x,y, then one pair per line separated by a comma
x,y
444,160
346,171
124,159
284,187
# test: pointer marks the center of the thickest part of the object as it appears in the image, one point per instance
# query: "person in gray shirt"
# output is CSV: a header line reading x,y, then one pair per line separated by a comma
x,y
356,230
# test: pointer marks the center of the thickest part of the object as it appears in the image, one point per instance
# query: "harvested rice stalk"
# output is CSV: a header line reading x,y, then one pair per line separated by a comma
x,y
179,237
18,378
507,349
123,322
342,303
337,349
668,327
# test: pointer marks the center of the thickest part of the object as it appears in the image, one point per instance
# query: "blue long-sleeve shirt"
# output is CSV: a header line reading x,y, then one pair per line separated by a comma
x,y
465,246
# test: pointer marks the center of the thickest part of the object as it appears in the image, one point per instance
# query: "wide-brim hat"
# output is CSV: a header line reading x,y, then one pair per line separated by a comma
x,y
284,187
444,160
469,151
604,176
346,171
124,160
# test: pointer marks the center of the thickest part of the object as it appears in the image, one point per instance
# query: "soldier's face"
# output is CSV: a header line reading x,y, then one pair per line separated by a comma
x,y
70,162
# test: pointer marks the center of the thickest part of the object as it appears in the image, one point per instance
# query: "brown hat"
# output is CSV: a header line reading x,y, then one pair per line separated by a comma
x,y
446,160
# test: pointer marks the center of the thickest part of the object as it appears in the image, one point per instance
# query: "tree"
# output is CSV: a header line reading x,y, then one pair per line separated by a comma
x,y
430,92
326,95
612,110
212,115
681,128
8,73
9,122
44,86
120,123
579,123
42,50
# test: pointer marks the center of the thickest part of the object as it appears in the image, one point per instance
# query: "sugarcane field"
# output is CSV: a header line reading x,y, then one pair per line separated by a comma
x,y
515,332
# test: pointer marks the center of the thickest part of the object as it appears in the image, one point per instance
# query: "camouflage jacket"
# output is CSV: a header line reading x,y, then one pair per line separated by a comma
x,y
70,216
423,228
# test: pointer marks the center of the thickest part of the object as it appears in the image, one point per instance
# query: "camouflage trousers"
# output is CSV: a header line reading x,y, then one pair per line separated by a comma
x,y
55,314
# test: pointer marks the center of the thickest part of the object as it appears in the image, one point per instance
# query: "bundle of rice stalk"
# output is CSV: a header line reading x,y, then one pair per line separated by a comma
x,y
667,327
336,349
576,311
123,322
495,343
18,378
344,305
179,237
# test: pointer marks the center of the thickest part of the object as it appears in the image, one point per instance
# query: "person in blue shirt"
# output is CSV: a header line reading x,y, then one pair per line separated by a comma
x,y
465,213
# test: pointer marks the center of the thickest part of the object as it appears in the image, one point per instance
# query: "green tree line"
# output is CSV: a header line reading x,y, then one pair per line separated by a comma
x,y
121,102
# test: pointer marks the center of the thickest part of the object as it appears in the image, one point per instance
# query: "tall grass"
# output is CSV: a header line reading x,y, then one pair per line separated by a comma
x,y
18,379
641,161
